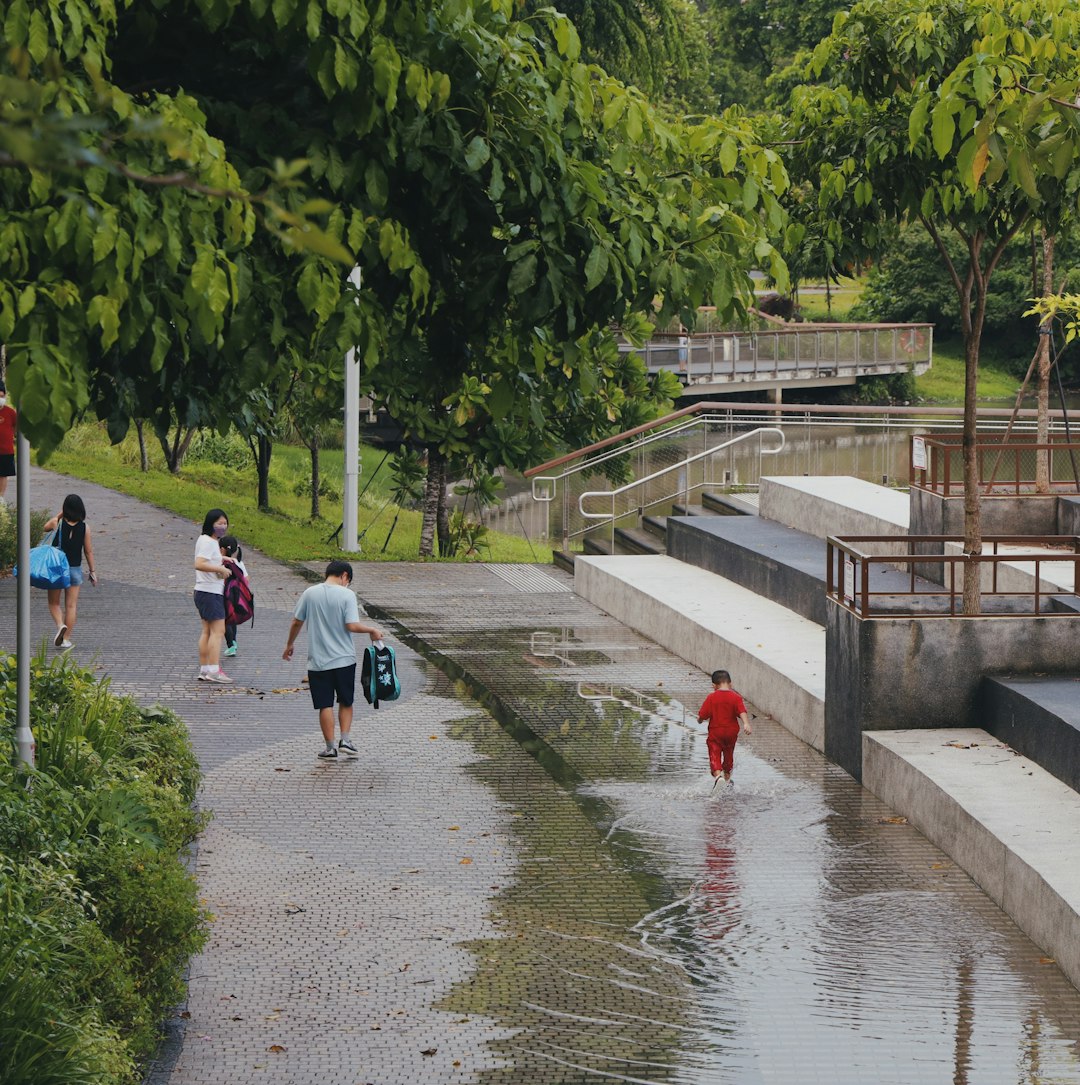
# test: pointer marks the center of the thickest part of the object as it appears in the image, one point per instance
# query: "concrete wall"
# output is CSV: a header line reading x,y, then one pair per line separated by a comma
x,y
891,673
1030,514
1068,516
932,514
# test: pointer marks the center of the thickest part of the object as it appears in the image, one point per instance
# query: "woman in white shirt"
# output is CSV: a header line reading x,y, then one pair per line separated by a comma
x,y
210,574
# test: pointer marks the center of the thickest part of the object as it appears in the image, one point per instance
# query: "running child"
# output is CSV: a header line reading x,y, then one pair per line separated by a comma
x,y
724,710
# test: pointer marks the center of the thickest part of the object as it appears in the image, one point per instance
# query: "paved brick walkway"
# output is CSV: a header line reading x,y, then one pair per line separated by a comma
x,y
523,878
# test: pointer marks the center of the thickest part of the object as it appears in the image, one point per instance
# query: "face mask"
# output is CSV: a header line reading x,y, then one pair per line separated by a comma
x,y
3,400
220,530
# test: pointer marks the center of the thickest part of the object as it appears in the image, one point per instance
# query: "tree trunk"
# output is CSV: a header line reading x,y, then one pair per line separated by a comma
x,y
144,457
432,488
446,548
1042,436
972,322
264,450
175,450
315,479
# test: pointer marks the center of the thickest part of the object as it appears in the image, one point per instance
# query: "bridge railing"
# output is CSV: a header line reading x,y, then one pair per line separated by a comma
x,y
860,574
1006,463
800,351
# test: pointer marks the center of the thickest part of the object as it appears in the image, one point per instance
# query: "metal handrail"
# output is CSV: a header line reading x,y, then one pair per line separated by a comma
x,y
935,475
613,495
848,567
584,465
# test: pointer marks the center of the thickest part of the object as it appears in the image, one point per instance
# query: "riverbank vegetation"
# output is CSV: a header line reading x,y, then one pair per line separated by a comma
x,y
99,915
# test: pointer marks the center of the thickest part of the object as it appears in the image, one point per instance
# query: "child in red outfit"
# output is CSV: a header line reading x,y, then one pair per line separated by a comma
x,y
725,710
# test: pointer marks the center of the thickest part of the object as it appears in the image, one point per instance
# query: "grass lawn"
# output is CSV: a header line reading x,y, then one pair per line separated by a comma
x,y
285,532
813,301
944,382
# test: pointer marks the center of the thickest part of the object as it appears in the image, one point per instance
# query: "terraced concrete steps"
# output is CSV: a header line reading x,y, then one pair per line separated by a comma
x,y
776,657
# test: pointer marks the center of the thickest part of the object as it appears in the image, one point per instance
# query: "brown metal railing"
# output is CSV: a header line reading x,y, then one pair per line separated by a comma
x,y
1006,466
887,584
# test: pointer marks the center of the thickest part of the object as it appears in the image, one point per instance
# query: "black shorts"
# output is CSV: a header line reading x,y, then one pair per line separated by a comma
x,y
325,684
210,605
7,466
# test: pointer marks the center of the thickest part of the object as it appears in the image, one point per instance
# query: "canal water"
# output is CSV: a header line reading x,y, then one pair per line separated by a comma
x,y
789,929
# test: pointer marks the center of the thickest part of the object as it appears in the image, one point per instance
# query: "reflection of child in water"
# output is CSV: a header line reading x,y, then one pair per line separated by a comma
x,y
725,710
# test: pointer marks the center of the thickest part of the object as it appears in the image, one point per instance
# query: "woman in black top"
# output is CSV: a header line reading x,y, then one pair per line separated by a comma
x,y
73,537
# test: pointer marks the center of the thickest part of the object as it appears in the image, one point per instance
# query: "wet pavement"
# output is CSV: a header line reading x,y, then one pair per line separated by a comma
x,y
526,876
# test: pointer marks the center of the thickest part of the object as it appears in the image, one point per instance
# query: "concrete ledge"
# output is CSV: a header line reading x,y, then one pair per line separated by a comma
x,y
1011,826
774,561
825,505
776,657
1039,716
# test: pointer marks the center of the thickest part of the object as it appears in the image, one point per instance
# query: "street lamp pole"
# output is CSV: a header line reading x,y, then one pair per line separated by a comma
x,y
24,737
351,490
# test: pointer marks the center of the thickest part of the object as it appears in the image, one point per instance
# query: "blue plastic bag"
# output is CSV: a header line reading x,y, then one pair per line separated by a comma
x,y
49,567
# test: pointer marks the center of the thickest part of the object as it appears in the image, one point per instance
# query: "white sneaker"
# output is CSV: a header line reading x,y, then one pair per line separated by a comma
x,y
217,676
65,645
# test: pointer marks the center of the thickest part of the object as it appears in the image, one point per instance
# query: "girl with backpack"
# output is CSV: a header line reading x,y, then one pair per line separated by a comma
x,y
73,537
210,574
239,598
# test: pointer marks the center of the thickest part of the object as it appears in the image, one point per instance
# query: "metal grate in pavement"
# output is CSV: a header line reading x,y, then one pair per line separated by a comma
x,y
528,578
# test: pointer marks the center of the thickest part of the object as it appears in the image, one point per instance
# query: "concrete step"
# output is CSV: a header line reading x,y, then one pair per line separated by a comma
x,y
680,509
563,559
730,504
824,505
999,816
596,546
776,562
655,526
629,540
776,657
1039,717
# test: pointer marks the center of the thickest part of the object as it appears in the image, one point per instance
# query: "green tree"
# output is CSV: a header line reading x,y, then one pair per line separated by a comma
x,y
951,114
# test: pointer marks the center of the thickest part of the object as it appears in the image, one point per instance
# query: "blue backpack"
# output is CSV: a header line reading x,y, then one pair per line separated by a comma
x,y
378,674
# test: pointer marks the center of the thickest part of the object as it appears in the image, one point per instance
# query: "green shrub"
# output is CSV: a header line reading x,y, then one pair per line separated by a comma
x,y
9,539
226,450
98,913
326,489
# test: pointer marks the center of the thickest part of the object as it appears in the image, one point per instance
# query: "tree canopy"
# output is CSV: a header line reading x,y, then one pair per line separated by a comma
x,y
954,114
505,200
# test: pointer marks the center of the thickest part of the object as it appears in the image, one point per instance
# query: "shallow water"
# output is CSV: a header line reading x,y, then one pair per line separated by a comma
x,y
823,939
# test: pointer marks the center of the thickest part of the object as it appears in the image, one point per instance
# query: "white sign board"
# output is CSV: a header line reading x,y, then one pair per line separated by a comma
x,y
849,581
918,453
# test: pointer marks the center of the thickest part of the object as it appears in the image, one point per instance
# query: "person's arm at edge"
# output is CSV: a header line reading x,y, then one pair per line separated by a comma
x,y
358,627
88,550
744,719
294,632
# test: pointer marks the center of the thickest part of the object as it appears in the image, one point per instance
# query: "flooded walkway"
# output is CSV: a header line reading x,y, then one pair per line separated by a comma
x,y
791,929
525,878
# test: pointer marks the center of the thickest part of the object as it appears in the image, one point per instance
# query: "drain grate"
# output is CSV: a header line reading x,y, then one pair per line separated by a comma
x,y
528,578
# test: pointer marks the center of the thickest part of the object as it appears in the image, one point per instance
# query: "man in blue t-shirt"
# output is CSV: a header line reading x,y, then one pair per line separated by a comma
x,y
332,617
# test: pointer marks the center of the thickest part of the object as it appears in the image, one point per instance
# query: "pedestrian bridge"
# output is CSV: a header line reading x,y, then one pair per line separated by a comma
x,y
793,356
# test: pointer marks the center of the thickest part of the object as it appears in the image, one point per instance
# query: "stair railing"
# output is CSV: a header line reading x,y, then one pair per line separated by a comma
x,y
641,499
